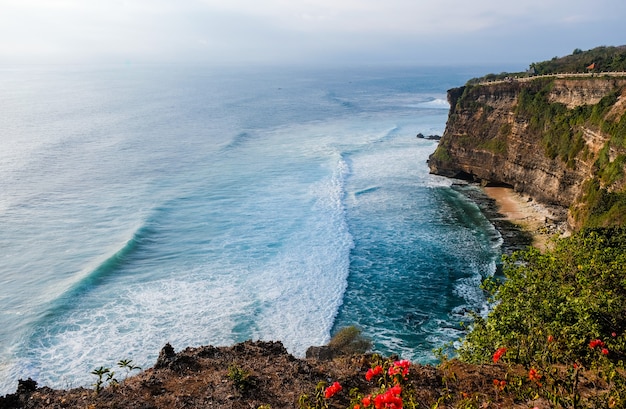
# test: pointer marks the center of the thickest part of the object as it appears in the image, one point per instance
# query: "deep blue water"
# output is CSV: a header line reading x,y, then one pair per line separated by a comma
x,y
194,205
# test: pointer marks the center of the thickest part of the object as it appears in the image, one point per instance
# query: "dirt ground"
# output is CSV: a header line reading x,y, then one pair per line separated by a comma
x,y
271,377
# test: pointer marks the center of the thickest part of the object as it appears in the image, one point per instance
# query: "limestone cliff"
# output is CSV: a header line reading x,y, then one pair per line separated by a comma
x,y
546,137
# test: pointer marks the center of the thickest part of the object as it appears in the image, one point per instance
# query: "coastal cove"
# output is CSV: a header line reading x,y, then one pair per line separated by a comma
x,y
193,206
542,222
307,204
405,255
520,220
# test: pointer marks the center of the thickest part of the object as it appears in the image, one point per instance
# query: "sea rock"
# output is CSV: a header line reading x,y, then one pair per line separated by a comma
x,y
429,137
166,356
324,353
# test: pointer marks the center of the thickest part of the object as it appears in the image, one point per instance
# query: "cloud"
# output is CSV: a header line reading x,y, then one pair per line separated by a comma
x,y
295,30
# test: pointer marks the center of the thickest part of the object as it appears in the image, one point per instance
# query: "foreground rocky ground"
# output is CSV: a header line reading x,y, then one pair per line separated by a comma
x,y
264,374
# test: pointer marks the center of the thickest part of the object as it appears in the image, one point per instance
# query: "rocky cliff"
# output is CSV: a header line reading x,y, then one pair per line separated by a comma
x,y
260,375
555,139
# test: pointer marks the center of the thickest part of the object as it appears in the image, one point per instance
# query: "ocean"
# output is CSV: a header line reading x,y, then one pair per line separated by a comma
x,y
141,205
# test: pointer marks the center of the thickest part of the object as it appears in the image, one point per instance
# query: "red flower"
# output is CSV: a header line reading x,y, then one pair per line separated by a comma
x,y
613,334
366,401
357,406
396,390
596,343
379,401
534,376
400,368
499,384
498,354
332,390
605,351
550,338
389,400
377,370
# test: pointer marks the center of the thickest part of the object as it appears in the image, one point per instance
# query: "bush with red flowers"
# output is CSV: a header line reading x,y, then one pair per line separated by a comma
x,y
561,315
388,377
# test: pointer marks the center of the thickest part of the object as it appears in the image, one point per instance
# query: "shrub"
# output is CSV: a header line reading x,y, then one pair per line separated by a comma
x,y
241,378
573,293
349,341
561,316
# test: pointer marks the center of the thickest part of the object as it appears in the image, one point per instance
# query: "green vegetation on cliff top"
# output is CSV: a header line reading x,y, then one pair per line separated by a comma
x,y
599,59
602,59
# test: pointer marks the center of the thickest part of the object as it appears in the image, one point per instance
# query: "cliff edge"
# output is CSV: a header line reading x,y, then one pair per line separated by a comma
x,y
258,375
561,141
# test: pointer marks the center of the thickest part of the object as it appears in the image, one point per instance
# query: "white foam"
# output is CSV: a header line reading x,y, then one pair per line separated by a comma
x,y
314,270
436,103
134,326
293,297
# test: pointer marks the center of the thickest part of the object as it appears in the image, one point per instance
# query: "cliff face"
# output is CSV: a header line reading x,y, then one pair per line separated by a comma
x,y
543,137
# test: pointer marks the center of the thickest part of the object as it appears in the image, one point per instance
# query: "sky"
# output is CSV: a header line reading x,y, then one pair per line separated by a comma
x,y
415,32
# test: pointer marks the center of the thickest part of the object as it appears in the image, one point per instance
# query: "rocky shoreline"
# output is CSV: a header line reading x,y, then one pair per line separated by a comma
x,y
513,236
533,229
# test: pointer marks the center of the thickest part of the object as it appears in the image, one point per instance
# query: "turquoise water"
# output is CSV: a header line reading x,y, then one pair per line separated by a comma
x,y
145,205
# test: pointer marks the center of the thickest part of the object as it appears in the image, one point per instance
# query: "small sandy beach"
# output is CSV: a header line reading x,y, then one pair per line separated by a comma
x,y
540,221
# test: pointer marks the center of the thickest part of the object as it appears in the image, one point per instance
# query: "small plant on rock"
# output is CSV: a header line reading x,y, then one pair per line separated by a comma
x,y
241,378
105,376
128,365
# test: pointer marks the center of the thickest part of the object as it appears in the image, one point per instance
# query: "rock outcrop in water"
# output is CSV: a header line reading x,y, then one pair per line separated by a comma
x,y
549,138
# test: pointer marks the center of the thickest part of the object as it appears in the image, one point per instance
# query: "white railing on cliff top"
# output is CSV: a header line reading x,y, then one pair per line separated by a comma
x,y
559,75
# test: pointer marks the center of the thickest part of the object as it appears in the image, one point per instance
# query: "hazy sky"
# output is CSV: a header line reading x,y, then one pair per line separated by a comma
x,y
428,32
